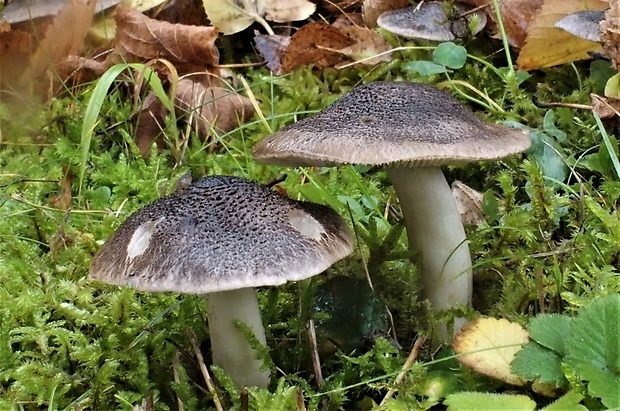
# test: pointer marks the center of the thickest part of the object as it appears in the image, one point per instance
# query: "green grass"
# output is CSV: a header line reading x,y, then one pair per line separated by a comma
x,y
550,244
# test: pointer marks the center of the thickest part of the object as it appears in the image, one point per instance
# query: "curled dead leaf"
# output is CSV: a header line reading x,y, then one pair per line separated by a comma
x,y
140,38
468,203
317,44
209,107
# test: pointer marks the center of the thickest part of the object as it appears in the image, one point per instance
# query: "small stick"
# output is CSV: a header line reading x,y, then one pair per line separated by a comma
x,y
245,402
541,104
415,350
541,297
314,353
277,180
204,370
299,400
175,372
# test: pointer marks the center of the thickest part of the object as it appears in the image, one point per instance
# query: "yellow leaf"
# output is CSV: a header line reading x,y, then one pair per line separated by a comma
x,y
546,45
232,16
489,345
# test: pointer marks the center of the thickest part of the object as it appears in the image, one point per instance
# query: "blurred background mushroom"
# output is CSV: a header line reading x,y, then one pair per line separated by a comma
x,y
223,236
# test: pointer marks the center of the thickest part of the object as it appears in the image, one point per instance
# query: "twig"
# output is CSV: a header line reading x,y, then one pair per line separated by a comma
x,y
244,400
541,104
314,353
299,400
175,373
204,370
541,297
415,350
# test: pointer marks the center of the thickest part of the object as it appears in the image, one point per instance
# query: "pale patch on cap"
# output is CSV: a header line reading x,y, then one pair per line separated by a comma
x,y
141,238
306,224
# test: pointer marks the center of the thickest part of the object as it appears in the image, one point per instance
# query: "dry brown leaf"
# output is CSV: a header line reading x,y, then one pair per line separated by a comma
x,y
17,45
76,70
516,16
315,43
546,45
605,107
372,9
272,47
63,199
368,43
468,203
610,33
150,124
62,38
205,106
140,38
208,107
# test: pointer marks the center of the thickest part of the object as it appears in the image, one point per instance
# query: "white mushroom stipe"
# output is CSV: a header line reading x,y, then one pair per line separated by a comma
x,y
306,225
141,238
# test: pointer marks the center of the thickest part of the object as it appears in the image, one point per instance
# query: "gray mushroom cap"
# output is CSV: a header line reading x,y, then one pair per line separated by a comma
x,y
222,233
391,123
429,21
584,24
25,10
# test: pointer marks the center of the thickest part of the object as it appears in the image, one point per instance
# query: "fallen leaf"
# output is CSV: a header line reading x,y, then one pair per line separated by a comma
x,y
372,9
546,45
368,43
605,107
468,203
142,5
63,199
516,17
610,33
207,107
272,47
139,38
62,38
488,345
317,44
76,70
17,45
150,124
233,16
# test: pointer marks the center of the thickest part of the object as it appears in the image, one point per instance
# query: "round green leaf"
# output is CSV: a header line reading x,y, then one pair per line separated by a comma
x,y
450,55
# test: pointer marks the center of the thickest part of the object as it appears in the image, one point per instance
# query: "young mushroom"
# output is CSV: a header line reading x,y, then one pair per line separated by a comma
x,y
411,129
223,236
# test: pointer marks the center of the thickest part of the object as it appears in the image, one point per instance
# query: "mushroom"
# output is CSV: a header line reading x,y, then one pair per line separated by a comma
x,y
429,21
223,236
584,24
412,129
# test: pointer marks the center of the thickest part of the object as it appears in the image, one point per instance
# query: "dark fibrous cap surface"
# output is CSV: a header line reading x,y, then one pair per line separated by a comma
x,y
222,233
391,123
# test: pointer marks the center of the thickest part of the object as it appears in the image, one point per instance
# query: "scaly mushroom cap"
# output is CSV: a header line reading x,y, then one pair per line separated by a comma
x,y
428,20
222,233
391,123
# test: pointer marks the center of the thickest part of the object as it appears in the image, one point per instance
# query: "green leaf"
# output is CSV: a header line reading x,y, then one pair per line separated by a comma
x,y
612,87
568,402
450,55
593,348
550,330
425,68
467,401
535,362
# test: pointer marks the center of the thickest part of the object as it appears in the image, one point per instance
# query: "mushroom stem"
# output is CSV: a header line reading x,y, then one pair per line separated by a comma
x,y
231,351
436,234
